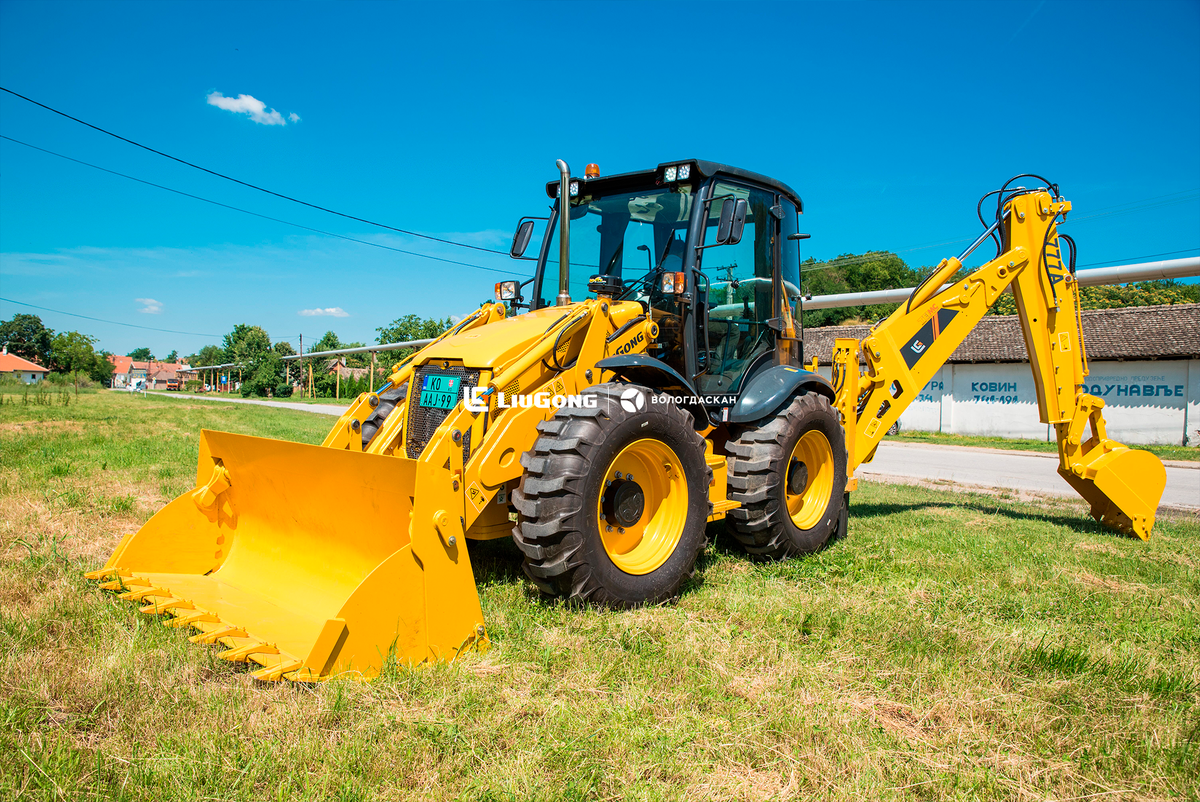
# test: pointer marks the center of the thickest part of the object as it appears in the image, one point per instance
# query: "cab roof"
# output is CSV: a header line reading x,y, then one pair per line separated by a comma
x,y
607,184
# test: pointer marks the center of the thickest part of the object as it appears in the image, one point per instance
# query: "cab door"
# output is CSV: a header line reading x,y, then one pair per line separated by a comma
x,y
736,334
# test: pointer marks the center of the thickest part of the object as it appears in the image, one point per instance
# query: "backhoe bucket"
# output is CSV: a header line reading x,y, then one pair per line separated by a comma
x,y
308,561
1122,485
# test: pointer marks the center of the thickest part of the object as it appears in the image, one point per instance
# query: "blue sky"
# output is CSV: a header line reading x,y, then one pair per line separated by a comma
x,y
890,119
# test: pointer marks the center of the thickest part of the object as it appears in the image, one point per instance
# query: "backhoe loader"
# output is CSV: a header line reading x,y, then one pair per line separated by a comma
x,y
653,382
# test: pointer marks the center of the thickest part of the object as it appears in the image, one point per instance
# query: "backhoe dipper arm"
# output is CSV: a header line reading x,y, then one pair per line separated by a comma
x,y
902,354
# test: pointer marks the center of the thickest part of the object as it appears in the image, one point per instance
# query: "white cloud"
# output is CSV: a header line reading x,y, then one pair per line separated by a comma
x,y
149,306
251,106
332,311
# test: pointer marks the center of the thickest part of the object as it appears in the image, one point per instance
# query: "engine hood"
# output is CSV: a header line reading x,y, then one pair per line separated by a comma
x,y
497,344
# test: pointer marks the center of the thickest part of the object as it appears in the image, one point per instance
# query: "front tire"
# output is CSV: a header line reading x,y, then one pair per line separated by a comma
x,y
614,500
789,473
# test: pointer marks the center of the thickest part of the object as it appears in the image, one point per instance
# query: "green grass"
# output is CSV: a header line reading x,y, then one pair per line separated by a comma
x,y
1188,453
954,646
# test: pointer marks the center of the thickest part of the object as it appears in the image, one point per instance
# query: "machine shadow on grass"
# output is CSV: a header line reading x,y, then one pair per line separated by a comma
x,y
1072,521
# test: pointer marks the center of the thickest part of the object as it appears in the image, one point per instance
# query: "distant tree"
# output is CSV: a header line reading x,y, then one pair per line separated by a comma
x,y
264,377
140,355
410,327
1116,296
102,369
75,352
868,272
284,348
881,270
246,343
208,355
26,337
173,356
328,342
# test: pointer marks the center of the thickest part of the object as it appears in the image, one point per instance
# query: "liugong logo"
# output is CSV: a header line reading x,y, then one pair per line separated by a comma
x,y
629,346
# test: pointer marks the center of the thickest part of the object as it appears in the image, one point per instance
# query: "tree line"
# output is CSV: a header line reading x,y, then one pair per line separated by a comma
x,y
247,346
263,368
67,352
882,270
262,365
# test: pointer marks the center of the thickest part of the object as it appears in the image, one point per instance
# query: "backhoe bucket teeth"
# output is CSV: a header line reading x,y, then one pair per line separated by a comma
x,y
1122,485
309,561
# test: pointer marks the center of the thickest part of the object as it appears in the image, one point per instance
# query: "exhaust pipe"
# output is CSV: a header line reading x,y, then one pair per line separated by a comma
x,y
564,232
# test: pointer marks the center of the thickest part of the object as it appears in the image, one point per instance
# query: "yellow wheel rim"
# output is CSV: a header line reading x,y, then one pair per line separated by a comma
x,y
808,503
641,519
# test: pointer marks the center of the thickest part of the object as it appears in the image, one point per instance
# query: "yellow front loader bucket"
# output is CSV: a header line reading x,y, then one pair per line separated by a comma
x,y
309,561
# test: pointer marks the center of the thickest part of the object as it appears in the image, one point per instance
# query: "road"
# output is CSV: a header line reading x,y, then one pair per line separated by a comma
x,y
321,409
1015,470
1027,471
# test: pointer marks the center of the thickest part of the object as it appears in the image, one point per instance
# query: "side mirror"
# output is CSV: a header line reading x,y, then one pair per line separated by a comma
x,y
733,220
521,239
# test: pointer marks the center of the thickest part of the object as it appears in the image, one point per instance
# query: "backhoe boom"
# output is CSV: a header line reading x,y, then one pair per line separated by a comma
x,y
902,353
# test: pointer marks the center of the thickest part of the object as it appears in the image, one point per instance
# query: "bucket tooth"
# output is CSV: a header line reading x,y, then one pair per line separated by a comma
x,y
106,573
214,635
188,619
138,595
241,654
275,671
125,583
157,608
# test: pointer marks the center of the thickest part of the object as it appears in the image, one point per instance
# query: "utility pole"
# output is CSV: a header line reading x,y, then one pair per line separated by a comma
x,y
372,387
730,291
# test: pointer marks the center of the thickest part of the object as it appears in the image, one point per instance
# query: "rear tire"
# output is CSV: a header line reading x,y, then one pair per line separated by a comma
x,y
789,473
653,527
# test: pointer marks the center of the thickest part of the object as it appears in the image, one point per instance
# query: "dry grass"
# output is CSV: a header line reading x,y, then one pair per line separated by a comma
x,y
955,646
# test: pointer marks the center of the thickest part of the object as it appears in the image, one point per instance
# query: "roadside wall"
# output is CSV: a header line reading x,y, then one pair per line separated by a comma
x,y
1145,401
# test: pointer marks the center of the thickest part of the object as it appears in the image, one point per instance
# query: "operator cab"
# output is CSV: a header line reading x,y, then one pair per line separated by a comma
x,y
710,250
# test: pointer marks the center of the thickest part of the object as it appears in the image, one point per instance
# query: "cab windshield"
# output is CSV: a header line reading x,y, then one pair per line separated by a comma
x,y
626,235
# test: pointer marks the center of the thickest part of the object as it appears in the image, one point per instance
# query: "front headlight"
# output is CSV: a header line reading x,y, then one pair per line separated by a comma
x,y
673,283
506,290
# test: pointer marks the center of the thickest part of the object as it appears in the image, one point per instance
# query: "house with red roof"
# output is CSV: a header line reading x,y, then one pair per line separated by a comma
x,y
121,366
26,371
155,374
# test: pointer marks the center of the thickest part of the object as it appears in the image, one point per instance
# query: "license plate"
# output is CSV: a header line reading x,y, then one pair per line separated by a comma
x,y
440,391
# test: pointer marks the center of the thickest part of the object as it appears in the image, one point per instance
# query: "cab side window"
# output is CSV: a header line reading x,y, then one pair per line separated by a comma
x,y
740,296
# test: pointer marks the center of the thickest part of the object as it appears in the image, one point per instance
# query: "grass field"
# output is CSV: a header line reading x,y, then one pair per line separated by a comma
x,y
953,647
1184,453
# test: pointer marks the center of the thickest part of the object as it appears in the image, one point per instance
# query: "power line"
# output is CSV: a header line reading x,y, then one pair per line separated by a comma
x,y
248,184
1138,208
1130,259
262,216
102,320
